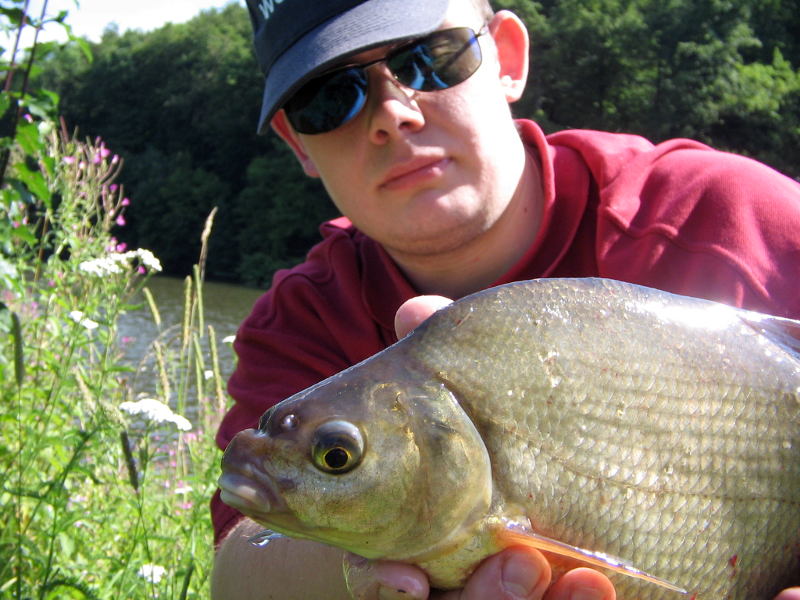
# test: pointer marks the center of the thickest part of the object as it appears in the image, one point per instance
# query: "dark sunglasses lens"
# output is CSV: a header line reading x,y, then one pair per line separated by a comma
x,y
438,61
328,102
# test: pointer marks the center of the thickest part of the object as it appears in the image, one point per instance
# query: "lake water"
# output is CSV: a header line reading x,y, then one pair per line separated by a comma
x,y
225,306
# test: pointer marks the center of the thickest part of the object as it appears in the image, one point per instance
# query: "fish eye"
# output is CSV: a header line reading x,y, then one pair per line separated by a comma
x,y
337,447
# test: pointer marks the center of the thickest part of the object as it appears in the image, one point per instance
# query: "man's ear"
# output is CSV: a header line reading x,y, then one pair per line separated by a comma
x,y
281,126
511,39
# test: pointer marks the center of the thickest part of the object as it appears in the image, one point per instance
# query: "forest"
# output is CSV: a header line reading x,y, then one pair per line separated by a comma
x,y
180,104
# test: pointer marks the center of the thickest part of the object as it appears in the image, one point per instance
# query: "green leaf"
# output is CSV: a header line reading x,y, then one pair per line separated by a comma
x,y
19,361
35,182
28,138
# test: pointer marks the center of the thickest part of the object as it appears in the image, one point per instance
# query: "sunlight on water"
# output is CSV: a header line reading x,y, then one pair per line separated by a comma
x,y
225,307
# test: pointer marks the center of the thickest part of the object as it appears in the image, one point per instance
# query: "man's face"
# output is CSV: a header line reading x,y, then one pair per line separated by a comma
x,y
423,173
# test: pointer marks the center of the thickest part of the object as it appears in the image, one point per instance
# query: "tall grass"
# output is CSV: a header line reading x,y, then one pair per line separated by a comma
x,y
104,487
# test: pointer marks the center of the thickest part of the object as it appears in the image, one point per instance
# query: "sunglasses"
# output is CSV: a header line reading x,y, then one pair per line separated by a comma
x,y
435,62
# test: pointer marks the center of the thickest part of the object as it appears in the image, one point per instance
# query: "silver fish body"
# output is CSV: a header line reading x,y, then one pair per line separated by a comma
x,y
660,429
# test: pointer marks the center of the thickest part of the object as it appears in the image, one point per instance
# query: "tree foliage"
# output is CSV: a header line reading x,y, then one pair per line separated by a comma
x,y
181,104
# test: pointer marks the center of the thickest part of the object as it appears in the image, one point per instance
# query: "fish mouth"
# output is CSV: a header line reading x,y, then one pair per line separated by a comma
x,y
244,484
253,496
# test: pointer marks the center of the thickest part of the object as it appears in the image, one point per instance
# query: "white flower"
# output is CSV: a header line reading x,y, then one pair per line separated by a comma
x,y
152,573
101,266
148,259
157,412
184,489
208,374
112,263
228,339
78,317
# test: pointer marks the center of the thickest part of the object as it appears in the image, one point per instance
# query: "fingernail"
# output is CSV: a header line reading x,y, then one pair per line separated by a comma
x,y
402,588
386,593
519,577
586,593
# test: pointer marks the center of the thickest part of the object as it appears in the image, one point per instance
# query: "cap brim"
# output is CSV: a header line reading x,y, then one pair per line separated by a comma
x,y
370,24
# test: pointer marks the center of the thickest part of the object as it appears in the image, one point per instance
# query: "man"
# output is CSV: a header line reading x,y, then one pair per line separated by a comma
x,y
402,109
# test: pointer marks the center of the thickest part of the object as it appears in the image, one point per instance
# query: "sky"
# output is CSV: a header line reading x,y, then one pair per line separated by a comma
x,y
88,18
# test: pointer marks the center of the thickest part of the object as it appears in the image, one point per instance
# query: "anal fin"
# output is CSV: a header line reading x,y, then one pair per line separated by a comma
x,y
514,535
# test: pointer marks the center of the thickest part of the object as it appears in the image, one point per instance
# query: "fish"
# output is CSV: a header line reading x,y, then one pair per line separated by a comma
x,y
652,435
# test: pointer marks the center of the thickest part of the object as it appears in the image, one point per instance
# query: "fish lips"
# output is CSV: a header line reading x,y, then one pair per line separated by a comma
x,y
244,484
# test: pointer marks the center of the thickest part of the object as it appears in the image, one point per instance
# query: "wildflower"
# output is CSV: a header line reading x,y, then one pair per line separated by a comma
x,y
183,489
78,317
121,247
157,412
152,573
126,202
208,374
110,264
28,118
148,259
100,266
228,339
120,220
70,160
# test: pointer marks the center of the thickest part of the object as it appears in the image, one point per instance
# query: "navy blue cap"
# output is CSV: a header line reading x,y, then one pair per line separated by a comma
x,y
297,39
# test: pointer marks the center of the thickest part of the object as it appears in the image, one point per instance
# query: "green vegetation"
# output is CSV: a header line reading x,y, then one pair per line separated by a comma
x,y
104,483
181,104
106,473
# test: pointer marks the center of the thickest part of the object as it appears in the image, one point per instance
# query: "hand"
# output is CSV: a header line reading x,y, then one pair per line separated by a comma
x,y
513,574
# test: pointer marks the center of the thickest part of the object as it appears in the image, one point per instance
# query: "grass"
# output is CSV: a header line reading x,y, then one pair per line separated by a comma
x,y
105,475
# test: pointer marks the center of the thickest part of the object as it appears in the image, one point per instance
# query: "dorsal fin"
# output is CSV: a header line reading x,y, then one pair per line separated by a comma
x,y
784,332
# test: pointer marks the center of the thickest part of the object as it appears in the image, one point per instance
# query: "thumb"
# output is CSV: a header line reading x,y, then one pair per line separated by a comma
x,y
415,310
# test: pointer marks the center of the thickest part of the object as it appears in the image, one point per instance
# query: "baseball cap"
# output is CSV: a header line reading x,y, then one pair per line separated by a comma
x,y
297,39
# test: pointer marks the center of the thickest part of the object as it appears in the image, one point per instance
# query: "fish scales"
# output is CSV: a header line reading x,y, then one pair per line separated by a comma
x,y
660,429
609,411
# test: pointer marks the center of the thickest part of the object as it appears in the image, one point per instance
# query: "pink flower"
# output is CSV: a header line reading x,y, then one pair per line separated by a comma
x,y
121,247
120,220
70,160
126,202
141,270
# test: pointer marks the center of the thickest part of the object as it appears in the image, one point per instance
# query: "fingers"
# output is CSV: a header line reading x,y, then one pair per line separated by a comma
x,y
583,584
382,580
790,594
514,574
415,310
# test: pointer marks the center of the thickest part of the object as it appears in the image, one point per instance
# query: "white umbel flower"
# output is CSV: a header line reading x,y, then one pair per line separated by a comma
x,y
113,263
152,573
81,319
157,412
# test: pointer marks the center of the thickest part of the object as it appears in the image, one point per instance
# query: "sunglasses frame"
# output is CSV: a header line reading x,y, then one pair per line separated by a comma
x,y
362,88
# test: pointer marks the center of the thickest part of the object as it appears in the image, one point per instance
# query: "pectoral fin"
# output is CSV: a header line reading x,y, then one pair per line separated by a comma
x,y
514,535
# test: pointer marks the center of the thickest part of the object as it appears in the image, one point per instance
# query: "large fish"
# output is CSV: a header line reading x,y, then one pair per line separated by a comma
x,y
590,418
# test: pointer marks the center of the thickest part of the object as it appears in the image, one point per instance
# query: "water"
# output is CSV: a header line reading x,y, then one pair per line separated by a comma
x,y
225,306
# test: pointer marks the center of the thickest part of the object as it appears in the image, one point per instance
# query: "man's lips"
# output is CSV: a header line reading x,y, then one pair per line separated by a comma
x,y
413,172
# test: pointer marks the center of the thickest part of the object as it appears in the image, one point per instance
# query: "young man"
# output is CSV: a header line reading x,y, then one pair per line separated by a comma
x,y
402,109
